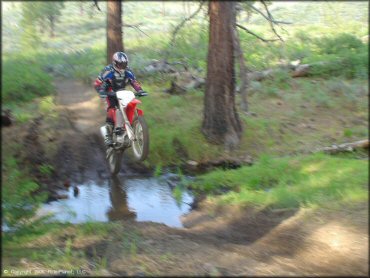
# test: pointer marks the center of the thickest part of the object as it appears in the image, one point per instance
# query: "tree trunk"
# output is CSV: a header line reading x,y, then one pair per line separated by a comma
x,y
81,8
163,9
52,26
243,73
114,29
221,124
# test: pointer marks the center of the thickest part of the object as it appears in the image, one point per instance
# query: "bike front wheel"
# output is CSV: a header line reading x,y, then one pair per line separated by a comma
x,y
140,145
114,158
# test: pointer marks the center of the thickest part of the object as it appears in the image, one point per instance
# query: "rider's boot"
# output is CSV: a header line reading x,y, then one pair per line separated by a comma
x,y
108,138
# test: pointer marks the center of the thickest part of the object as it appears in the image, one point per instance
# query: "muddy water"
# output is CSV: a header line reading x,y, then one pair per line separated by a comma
x,y
140,199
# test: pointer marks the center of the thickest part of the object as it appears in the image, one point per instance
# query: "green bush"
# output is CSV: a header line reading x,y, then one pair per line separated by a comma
x,y
19,202
24,79
343,55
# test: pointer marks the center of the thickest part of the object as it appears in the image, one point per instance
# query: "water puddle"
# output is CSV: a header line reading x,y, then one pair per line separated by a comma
x,y
140,199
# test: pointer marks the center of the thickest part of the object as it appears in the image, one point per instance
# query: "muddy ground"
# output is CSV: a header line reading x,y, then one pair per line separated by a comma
x,y
232,241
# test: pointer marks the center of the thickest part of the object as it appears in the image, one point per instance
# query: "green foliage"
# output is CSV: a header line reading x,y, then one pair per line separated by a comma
x,y
292,181
344,54
19,202
94,228
34,80
46,169
29,37
38,13
158,170
177,194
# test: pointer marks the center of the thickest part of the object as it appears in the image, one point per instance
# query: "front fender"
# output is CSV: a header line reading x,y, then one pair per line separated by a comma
x,y
130,110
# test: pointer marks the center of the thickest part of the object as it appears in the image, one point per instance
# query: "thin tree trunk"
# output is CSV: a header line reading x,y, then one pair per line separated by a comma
x,y
221,124
52,26
243,73
163,9
114,29
81,8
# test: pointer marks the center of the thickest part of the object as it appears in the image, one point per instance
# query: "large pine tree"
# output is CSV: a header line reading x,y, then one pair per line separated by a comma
x,y
221,124
114,29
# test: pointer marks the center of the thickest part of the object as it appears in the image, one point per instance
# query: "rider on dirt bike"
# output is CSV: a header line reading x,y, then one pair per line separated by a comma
x,y
115,77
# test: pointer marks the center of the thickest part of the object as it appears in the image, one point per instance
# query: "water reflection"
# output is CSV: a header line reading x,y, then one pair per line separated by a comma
x,y
139,199
118,197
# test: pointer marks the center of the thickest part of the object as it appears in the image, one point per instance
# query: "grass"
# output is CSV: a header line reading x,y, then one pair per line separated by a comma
x,y
310,180
334,101
64,246
301,110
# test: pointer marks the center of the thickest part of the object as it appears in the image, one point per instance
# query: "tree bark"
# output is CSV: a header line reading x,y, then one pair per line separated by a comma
x,y
243,73
221,124
114,29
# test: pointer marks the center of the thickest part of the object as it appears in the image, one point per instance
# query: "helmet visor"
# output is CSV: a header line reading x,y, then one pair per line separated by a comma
x,y
121,65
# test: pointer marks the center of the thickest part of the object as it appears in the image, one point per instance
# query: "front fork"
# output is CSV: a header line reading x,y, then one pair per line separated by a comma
x,y
130,131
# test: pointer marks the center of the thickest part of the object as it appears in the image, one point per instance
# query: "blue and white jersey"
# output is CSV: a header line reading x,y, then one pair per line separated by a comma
x,y
114,80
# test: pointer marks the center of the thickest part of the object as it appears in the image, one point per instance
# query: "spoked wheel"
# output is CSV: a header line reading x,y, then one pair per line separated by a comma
x,y
114,158
140,145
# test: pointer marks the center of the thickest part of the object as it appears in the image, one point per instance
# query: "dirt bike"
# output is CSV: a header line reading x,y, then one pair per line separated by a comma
x,y
130,130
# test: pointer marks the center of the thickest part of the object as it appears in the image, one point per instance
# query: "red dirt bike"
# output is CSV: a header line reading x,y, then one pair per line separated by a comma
x,y
130,130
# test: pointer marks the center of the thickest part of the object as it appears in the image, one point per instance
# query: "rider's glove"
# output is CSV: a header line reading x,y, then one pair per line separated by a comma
x,y
141,93
111,94
102,93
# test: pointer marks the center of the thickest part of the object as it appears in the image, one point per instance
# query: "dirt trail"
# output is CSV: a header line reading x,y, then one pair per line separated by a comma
x,y
215,242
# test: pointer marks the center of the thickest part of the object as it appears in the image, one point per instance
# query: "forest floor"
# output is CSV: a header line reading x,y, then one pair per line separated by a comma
x,y
214,241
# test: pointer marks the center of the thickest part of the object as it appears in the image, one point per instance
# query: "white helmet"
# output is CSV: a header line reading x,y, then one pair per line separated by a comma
x,y
120,61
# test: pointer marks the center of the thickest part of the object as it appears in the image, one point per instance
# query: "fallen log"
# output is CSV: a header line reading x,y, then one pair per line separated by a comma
x,y
225,163
346,147
163,66
301,70
295,68
183,82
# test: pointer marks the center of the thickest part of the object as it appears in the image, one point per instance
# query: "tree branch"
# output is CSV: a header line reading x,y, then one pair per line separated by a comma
x,y
266,17
96,5
136,27
178,27
254,34
271,20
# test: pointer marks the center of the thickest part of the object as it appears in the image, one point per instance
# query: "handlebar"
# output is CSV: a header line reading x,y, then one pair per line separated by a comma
x,y
143,94
111,94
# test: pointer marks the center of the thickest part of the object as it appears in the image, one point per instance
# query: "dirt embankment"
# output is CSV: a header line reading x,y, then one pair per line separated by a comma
x,y
214,241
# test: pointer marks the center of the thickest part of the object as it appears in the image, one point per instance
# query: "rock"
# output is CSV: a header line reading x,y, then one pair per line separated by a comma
x,y
171,184
6,118
183,82
301,70
247,160
149,241
67,184
159,66
76,191
175,236
61,196
211,269
192,164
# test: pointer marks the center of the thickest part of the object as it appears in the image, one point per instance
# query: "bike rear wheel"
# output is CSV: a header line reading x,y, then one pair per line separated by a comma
x,y
114,158
140,145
